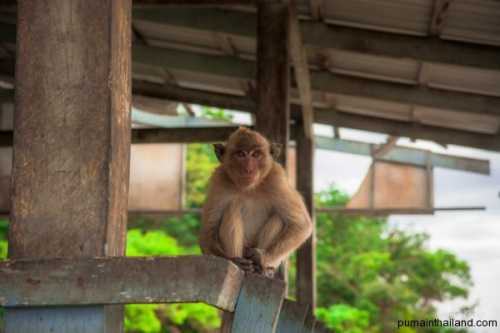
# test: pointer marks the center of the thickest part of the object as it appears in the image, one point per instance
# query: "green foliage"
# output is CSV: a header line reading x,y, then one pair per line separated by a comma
x,y
215,113
142,318
368,275
374,275
157,318
344,318
3,255
3,239
201,162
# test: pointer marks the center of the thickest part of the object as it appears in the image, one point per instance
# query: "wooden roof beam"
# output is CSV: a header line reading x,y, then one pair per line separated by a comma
x,y
194,2
321,116
301,70
227,66
319,34
409,129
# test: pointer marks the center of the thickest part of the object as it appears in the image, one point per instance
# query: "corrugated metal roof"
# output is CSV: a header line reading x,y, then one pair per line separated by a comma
x,y
410,17
473,21
401,16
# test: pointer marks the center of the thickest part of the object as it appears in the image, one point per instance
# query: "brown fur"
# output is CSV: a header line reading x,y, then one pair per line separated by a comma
x,y
263,218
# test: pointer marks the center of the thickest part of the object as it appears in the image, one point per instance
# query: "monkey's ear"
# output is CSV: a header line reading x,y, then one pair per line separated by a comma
x,y
219,149
276,150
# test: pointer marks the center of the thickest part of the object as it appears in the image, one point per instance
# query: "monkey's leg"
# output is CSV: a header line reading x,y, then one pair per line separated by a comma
x,y
269,232
232,237
268,235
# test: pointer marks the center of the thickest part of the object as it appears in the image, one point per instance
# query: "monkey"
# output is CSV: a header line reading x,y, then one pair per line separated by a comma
x,y
252,215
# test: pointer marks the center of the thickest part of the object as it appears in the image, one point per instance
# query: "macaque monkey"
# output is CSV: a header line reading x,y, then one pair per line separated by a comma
x,y
252,216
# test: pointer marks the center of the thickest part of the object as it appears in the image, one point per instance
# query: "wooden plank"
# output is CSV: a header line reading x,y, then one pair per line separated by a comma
x,y
325,36
394,211
301,70
258,305
194,2
120,280
306,254
340,119
182,134
176,93
292,317
400,154
71,147
322,82
309,323
385,148
408,129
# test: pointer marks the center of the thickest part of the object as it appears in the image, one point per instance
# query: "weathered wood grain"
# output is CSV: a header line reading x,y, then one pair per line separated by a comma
x,y
176,93
272,117
306,254
273,73
182,134
309,323
71,144
119,280
194,2
258,305
301,70
292,317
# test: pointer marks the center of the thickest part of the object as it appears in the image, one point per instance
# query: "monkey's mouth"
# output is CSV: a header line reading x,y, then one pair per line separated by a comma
x,y
248,178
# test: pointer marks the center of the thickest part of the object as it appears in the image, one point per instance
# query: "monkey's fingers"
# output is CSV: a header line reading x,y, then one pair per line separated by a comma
x,y
244,264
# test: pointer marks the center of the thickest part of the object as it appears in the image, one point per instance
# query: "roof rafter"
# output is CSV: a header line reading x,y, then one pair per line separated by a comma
x,y
301,69
231,67
319,34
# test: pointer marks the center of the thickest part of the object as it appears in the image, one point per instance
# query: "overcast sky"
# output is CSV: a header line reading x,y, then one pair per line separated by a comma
x,y
472,235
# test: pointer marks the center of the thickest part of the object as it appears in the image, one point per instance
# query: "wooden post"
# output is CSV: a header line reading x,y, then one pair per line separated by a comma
x,y
273,73
306,255
273,78
71,146
259,305
292,317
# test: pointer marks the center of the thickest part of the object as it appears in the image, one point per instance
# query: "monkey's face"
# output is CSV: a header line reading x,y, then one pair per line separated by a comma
x,y
247,167
246,158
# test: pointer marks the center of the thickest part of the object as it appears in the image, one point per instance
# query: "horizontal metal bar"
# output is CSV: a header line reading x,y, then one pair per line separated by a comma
x,y
393,211
118,280
406,155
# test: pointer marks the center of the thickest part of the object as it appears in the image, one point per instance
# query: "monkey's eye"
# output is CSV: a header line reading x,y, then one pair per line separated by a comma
x,y
257,154
240,153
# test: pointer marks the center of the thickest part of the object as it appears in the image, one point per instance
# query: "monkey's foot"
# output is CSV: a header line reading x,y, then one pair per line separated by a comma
x,y
269,272
246,265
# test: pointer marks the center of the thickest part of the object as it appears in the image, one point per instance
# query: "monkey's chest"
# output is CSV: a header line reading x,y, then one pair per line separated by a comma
x,y
254,213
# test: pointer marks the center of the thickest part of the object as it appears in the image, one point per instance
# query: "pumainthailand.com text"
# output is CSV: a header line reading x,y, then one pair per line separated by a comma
x,y
447,323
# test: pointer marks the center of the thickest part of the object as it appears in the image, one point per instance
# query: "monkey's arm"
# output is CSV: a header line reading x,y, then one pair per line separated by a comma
x,y
208,239
297,227
211,219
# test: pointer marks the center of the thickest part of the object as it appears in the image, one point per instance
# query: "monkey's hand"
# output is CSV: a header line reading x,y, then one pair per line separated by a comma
x,y
245,264
259,259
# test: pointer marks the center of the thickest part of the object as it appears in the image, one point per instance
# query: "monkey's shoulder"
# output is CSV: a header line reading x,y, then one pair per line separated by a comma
x,y
219,180
276,180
